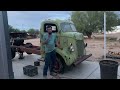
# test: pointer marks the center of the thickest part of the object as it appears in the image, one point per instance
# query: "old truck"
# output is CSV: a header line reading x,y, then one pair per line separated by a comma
x,y
72,42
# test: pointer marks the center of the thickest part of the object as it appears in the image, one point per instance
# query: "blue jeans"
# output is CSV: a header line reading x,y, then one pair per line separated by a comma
x,y
50,59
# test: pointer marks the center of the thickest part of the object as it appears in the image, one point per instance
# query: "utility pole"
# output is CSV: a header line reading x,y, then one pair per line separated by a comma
x,y
104,35
6,70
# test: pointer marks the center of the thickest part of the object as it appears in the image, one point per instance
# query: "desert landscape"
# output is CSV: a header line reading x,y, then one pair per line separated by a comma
x,y
95,45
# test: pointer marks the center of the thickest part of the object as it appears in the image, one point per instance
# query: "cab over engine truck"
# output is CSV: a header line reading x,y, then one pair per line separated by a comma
x,y
70,40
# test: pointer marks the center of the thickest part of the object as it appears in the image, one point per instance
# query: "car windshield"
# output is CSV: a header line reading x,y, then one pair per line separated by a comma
x,y
68,27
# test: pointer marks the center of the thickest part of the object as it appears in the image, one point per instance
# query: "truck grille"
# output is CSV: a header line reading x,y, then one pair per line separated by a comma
x,y
80,47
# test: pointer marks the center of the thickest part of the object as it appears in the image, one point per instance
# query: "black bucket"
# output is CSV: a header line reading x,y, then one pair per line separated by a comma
x,y
108,69
37,63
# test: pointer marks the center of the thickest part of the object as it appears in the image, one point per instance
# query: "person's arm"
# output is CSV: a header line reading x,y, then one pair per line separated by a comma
x,y
44,41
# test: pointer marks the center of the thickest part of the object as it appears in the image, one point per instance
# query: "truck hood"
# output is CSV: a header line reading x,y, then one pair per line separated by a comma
x,y
75,35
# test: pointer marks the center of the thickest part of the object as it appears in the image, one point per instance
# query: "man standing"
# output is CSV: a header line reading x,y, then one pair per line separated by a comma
x,y
49,41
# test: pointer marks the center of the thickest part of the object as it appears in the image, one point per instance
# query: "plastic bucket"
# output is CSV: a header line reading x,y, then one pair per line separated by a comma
x,y
108,69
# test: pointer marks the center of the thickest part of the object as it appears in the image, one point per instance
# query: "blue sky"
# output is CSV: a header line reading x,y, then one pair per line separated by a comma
x,y
32,19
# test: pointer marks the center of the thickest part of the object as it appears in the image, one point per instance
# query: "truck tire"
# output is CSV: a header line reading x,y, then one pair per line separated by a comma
x,y
60,65
28,45
13,52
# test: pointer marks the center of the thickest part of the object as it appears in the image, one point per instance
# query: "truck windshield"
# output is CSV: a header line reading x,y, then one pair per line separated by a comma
x,y
67,27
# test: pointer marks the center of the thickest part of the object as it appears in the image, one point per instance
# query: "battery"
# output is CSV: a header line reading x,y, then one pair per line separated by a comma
x,y
30,70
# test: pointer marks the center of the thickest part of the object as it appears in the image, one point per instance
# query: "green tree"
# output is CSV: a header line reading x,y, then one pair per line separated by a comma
x,y
87,22
31,31
11,29
118,21
37,31
24,31
17,30
111,21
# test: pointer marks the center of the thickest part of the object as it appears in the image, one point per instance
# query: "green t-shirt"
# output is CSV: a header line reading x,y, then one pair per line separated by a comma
x,y
50,46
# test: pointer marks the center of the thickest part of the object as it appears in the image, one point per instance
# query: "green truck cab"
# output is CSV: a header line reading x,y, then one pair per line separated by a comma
x,y
70,40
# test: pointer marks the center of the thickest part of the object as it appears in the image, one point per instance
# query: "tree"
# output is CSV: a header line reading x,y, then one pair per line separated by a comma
x,y
118,21
31,31
16,30
11,29
37,31
87,22
111,20
24,31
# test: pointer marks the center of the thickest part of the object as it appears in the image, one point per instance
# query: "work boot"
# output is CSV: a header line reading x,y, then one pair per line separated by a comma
x,y
45,77
53,74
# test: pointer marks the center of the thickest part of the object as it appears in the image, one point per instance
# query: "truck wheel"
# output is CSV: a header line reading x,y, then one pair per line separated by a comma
x,y
60,65
28,45
13,52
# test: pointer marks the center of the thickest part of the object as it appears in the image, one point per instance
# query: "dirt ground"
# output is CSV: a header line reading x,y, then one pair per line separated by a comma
x,y
33,41
95,47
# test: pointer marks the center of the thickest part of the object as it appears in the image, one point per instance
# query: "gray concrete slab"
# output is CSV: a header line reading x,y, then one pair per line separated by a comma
x,y
82,71
18,71
95,74
85,70
28,60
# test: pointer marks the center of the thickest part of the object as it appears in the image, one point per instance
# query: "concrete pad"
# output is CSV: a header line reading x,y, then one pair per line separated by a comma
x,y
18,72
118,77
17,69
28,60
83,70
95,74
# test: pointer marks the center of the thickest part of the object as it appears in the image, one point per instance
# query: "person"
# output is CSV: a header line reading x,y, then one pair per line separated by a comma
x,y
49,41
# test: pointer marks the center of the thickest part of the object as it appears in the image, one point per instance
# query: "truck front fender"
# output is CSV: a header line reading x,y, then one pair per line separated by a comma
x,y
63,55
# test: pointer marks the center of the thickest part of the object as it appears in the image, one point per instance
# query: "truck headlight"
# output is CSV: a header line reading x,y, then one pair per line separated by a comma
x,y
73,50
71,47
